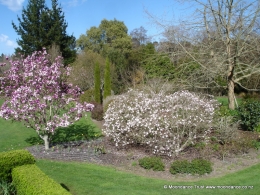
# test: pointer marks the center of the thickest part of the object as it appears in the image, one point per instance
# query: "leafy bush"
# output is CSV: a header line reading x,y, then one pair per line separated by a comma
x,y
180,166
97,113
224,111
165,123
87,96
249,114
256,144
200,166
74,132
154,163
29,179
12,159
196,166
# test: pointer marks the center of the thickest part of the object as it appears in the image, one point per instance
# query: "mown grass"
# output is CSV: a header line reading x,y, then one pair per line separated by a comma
x,y
13,134
224,100
84,178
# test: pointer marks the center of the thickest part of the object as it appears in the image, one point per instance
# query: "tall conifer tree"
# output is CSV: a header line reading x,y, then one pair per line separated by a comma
x,y
97,83
107,80
41,27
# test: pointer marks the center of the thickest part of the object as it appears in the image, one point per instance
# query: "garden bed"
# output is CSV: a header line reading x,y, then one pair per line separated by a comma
x,y
101,152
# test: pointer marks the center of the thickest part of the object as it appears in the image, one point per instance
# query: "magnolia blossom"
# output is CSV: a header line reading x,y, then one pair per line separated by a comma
x,y
166,123
36,93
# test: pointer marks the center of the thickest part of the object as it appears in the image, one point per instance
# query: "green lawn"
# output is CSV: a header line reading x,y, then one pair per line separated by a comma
x,y
85,178
224,100
13,134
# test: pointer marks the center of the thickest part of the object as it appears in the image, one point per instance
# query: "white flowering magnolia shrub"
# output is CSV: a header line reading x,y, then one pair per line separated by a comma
x,y
164,123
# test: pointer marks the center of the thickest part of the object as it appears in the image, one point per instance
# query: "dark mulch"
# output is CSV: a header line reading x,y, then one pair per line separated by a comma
x,y
98,151
102,152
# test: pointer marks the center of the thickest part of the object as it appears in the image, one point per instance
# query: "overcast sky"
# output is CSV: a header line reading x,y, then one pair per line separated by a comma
x,y
81,15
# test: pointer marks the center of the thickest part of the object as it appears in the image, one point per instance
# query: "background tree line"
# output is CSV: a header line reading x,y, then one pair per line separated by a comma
x,y
218,56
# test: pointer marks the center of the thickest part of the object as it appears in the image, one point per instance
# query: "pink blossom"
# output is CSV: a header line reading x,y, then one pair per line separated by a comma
x,y
34,94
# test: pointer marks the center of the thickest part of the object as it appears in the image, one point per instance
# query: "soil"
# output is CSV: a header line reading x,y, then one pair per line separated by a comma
x,y
102,152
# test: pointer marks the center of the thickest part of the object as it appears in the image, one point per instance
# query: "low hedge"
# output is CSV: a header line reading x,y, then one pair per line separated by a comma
x,y
196,166
29,179
12,159
153,162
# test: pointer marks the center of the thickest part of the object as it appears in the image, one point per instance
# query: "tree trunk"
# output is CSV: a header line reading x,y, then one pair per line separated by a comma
x,y
231,98
230,71
46,142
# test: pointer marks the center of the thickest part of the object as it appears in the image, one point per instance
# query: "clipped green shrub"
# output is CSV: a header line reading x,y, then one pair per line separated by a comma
x,y
12,159
97,112
87,96
200,166
180,166
196,166
29,179
249,114
154,163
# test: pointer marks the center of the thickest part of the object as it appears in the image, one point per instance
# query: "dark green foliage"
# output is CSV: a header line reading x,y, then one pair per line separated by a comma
x,y
154,64
196,166
109,37
12,159
87,96
41,27
7,188
29,179
225,111
249,115
158,65
107,80
58,35
31,21
97,83
256,144
154,163
111,40
180,166
97,113
75,132
200,166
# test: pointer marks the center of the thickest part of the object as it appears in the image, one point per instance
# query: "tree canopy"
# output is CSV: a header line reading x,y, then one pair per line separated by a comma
x,y
139,36
109,39
40,26
110,35
219,54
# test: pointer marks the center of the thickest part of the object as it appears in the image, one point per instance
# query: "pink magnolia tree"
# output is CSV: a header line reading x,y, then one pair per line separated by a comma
x,y
36,93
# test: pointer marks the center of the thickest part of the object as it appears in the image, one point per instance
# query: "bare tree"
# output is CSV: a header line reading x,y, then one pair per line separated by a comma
x,y
139,36
224,45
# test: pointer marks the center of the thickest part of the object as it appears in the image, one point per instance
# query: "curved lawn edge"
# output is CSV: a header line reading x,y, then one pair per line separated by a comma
x,y
85,178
